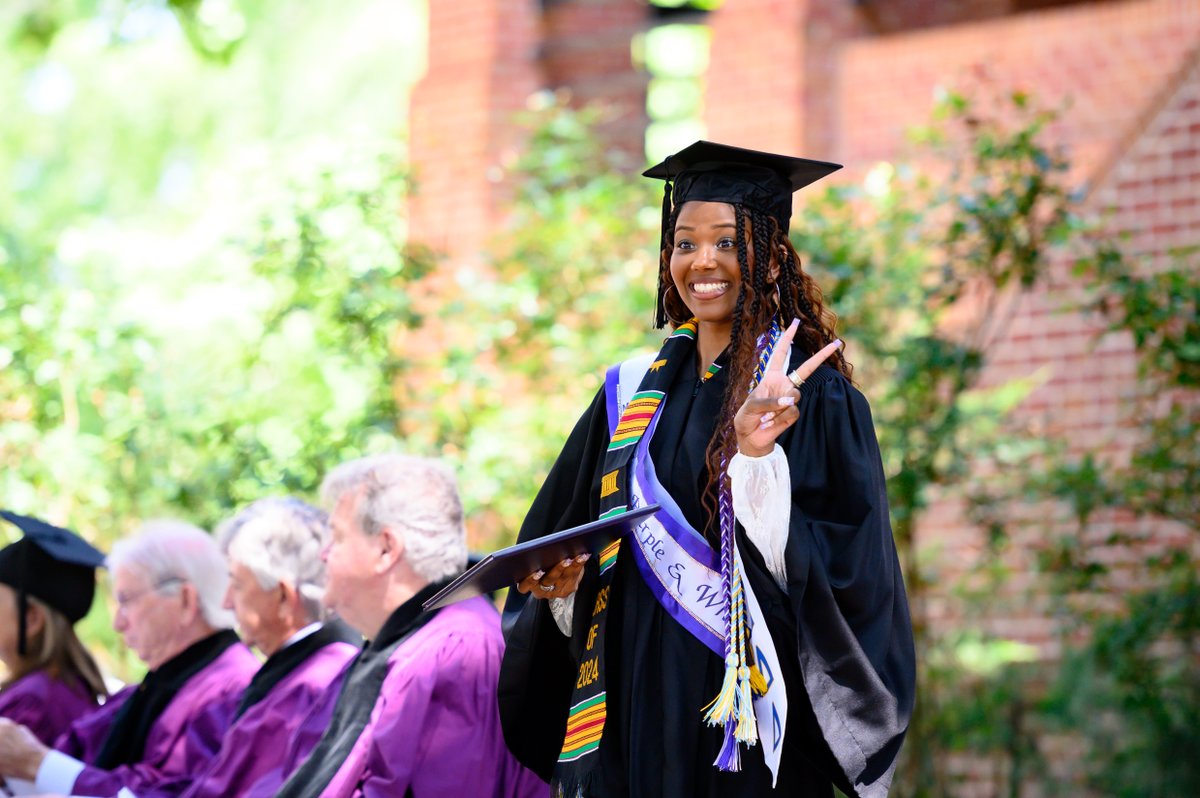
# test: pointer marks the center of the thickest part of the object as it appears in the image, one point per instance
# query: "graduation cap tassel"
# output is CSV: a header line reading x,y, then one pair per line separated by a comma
x,y
660,307
726,709
22,611
22,605
747,724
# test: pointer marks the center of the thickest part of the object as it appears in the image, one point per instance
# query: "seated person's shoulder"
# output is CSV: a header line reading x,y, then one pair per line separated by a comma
x,y
461,636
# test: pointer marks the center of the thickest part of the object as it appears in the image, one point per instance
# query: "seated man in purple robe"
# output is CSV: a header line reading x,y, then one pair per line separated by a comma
x,y
276,580
416,712
47,581
168,582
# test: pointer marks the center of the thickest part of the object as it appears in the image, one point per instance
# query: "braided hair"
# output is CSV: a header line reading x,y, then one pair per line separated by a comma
x,y
798,297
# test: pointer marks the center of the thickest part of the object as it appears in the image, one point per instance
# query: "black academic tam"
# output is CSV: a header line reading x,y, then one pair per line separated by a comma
x,y
51,564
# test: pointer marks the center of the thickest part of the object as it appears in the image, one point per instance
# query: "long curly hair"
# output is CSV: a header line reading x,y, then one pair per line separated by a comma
x,y
757,304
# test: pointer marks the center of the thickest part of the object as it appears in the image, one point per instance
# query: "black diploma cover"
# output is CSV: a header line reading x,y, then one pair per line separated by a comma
x,y
506,567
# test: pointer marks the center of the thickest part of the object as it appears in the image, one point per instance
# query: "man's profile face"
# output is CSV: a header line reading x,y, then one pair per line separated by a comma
x,y
258,610
351,558
147,615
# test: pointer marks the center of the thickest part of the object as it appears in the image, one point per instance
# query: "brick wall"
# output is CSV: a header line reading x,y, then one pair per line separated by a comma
x,y
1151,188
1144,173
587,49
482,67
1106,61
755,87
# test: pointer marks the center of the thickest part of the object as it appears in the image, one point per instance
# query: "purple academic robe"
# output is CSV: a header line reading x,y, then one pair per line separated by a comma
x,y
181,742
256,743
47,706
435,730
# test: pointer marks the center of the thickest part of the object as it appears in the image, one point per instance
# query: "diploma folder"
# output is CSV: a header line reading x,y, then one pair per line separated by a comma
x,y
506,567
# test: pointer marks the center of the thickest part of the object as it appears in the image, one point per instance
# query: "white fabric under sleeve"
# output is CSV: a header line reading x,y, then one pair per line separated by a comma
x,y
762,501
18,787
57,773
563,610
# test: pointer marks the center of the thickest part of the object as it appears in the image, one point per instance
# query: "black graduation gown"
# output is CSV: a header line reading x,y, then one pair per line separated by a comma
x,y
356,701
842,627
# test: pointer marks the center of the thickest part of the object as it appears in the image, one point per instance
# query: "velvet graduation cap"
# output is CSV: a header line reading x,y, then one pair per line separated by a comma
x,y
51,564
714,172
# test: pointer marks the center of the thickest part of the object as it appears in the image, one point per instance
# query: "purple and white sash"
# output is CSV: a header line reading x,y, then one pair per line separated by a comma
x,y
683,571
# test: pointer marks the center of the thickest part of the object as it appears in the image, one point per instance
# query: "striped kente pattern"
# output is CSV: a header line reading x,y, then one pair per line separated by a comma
x,y
585,722
609,555
585,726
685,330
636,419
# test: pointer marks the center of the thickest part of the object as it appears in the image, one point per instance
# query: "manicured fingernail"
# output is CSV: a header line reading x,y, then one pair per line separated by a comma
x,y
566,562
583,558
838,343
539,574
767,416
765,424
786,401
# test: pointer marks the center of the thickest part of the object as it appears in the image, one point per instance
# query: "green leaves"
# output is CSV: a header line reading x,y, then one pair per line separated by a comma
x,y
1157,307
201,270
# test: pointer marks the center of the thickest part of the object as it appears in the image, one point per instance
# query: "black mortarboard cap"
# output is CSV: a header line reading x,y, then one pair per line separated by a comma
x,y
714,172
721,173
52,564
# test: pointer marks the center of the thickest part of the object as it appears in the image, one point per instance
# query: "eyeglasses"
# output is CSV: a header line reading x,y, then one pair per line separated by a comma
x,y
124,600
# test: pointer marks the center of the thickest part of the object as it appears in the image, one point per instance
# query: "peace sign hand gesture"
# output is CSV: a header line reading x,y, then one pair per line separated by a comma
x,y
771,406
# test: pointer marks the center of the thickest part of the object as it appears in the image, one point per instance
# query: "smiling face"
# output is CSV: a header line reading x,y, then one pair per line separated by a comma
x,y
704,264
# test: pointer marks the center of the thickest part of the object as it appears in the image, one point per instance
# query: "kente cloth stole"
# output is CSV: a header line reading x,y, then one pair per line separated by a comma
x,y
681,569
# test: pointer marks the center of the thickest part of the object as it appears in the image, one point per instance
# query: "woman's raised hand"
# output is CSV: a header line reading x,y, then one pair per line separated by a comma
x,y
771,406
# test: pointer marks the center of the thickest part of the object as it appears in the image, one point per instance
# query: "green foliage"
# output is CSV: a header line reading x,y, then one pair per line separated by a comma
x,y
201,265
1132,689
214,28
568,292
1127,690
1157,308
924,272
1134,693
309,378
917,268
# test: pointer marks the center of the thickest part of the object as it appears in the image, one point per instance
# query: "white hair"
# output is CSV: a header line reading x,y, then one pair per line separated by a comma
x,y
280,541
417,498
171,552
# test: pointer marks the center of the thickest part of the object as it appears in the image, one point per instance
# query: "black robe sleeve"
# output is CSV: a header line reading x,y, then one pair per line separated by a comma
x,y
538,670
854,635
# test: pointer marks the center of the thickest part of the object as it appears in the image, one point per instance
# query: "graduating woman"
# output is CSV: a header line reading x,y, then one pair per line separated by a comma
x,y
47,582
753,636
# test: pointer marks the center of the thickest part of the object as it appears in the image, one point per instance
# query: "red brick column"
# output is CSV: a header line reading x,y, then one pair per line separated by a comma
x,y
483,65
587,50
756,78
